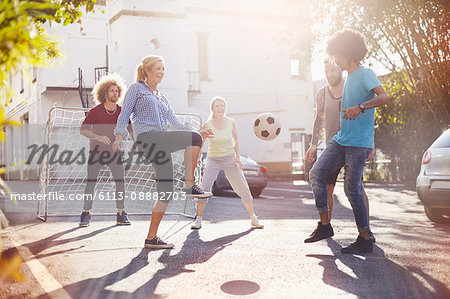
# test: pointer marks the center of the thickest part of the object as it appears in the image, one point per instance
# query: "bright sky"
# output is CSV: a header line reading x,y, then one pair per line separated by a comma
x,y
318,71
319,54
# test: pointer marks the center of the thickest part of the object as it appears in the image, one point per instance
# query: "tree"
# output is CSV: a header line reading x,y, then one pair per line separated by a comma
x,y
410,39
24,43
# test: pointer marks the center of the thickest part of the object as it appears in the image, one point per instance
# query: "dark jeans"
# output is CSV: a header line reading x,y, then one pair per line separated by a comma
x,y
116,168
333,158
161,144
332,178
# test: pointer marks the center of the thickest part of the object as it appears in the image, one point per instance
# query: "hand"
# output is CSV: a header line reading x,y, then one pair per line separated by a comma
x,y
371,155
118,143
351,113
199,163
311,152
103,139
238,161
207,133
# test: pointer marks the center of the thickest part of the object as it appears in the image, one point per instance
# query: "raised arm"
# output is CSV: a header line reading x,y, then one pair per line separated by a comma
x,y
380,99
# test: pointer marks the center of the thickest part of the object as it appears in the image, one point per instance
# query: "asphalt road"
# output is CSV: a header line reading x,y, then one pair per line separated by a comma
x,y
225,258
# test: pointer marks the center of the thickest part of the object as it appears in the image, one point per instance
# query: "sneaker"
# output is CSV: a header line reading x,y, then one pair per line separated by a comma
x,y
255,222
197,224
85,219
320,233
372,237
360,246
156,242
123,219
197,192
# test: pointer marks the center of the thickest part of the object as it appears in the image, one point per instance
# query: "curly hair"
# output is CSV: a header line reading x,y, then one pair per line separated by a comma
x,y
349,44
100,90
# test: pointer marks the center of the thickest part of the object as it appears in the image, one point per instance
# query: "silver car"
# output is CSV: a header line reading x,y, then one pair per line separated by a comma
x,y
433,182
255,174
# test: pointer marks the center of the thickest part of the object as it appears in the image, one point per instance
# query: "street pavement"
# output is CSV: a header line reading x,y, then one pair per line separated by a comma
x,y
228,259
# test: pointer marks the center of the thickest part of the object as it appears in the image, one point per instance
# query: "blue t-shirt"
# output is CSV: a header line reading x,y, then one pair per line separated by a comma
x,y
358,88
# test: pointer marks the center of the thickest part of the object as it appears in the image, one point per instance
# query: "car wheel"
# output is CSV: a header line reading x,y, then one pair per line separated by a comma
x,y
256,192
436,215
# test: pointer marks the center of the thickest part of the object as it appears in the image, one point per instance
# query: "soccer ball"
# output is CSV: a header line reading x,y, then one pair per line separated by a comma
x,y
267,126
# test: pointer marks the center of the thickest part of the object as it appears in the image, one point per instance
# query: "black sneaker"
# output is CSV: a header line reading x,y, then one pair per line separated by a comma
x,y
123,219
85,219
196,191
156,242
372,237
320,233
360,246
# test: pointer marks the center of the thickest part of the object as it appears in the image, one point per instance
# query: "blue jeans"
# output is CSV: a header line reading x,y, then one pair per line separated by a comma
x,y
333,158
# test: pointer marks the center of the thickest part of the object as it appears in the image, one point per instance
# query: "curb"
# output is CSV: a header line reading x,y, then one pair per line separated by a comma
x,y
4,223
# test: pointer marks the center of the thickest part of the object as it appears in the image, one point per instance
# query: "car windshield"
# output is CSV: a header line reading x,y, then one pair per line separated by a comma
x,y
248,160
442,141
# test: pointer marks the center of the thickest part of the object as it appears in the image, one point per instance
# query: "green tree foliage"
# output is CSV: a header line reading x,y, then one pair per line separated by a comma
x,y
410,39
24,41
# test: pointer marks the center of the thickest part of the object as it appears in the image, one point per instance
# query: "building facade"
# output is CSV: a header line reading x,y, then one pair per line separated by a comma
x,y
233,49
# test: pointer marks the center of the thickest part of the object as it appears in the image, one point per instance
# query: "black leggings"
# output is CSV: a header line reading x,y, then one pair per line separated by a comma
x,y
157,147
116,168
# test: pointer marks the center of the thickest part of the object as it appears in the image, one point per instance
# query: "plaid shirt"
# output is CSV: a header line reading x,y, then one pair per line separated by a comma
x,y
149,111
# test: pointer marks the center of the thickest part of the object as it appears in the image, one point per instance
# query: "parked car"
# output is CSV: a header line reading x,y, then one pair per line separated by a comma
x,y
433,181
255,174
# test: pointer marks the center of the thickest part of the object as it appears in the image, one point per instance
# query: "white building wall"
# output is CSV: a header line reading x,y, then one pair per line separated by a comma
x,y
247,63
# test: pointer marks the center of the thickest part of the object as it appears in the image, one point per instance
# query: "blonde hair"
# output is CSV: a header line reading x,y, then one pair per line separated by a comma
x,y
100,90
213,101
146,65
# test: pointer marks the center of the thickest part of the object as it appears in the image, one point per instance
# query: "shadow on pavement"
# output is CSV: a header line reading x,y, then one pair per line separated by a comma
x,y
52,241
193,251
365,276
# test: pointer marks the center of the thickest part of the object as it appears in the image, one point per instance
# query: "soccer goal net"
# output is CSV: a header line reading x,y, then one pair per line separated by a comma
x,y
62,185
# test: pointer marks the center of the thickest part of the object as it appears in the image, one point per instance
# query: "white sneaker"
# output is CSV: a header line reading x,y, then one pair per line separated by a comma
x,y
255,223
197,224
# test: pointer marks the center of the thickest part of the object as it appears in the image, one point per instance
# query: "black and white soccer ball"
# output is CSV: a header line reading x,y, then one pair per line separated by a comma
x,y
267,126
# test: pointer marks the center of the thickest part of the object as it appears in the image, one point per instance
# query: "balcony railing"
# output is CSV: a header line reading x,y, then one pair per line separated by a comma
x,y
99,72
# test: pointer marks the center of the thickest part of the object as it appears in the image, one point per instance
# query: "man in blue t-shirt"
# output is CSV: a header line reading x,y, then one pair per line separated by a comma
x,y
354,142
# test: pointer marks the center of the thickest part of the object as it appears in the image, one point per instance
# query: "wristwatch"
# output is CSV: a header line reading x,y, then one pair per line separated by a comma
x,y
362,107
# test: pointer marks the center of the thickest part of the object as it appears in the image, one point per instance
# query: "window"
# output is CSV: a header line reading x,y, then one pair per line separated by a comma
x,y
295,67
202,40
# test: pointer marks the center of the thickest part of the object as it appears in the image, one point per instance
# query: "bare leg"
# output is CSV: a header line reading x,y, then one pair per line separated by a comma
x,y
330,190
249,207
157,214
200,208
324,218
190,159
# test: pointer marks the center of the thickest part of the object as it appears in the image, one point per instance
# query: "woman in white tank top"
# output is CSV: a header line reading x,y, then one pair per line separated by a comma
x,y
223,154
